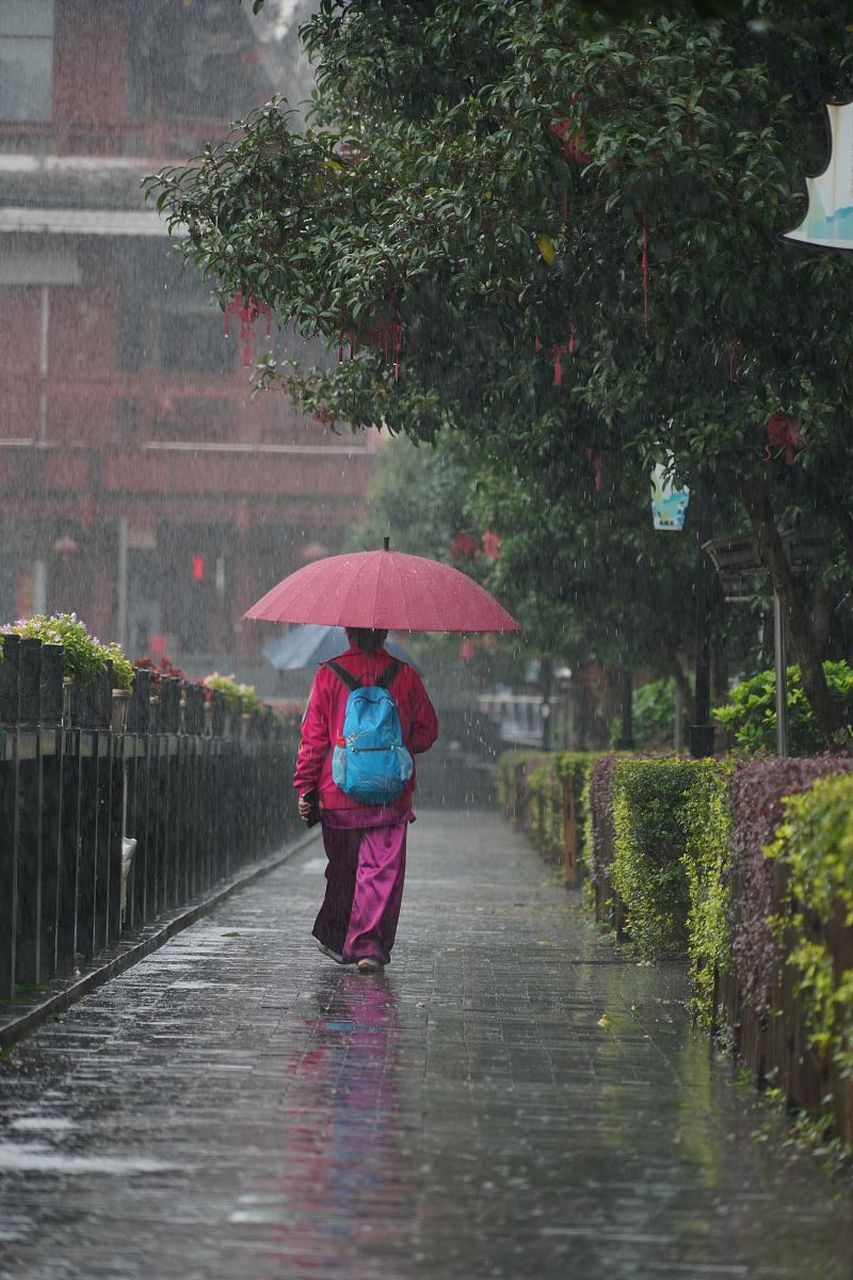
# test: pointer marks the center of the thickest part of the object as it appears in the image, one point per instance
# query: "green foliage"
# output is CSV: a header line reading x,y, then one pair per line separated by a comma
x,y
648,868
815,842
672,850
652,715
122,667
85,655
706,821
750,714
530,792
435,195
238,697
419,497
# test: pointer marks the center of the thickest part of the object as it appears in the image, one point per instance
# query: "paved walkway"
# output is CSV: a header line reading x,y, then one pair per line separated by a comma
x,y
238,1108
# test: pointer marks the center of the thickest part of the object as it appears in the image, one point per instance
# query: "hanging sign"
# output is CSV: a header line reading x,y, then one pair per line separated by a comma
x,y
669,505
829,220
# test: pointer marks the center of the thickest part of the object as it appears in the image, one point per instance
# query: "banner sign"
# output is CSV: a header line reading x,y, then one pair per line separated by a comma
x,y
829,220
669,505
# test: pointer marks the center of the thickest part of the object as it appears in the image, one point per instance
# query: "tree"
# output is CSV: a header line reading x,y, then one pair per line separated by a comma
x,y
490,178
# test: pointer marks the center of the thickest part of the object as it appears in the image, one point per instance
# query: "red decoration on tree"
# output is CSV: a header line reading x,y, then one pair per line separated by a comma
x,y
247,313
557,352
387,335
464,545
598,467
783,432
572,138
491,545
537,344
571,337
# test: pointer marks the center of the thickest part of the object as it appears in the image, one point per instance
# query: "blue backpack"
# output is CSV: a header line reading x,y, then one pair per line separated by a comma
x,y
369,761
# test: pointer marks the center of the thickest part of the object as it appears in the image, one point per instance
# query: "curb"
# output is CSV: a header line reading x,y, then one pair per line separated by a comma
x,y
123,955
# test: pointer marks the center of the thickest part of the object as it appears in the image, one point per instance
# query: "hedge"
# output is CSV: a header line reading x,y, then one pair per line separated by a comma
x,y
648,864
530,792
679,857
756,802
815,844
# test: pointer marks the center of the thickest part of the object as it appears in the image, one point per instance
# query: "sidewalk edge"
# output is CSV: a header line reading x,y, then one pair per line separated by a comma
x,y
153,937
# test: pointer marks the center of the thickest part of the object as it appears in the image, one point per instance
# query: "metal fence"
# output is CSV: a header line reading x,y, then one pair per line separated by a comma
x,y
115,808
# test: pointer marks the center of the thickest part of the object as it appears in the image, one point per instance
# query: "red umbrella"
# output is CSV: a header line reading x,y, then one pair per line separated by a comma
x,y
384,589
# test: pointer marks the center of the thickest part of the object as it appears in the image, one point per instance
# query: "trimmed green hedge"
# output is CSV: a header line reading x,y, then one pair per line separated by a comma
x,y
530,792
679,855
815,843
648,865
707,824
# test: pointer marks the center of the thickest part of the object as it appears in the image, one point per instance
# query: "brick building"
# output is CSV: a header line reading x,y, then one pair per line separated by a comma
x,y
140,483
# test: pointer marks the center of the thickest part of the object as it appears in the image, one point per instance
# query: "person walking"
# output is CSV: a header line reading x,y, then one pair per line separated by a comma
x,y
365,843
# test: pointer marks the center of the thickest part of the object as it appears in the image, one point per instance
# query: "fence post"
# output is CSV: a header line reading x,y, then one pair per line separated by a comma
x,y
9,679
28,946
52,664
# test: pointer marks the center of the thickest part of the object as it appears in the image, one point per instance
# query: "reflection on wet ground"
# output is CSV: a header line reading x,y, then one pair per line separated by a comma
x,y
238,1107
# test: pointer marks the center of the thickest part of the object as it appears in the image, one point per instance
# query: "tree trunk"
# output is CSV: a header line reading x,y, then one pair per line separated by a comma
x,y
829,712
682,681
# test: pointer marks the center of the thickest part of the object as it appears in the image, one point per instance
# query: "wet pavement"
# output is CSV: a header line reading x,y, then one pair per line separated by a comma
x,y
514,1098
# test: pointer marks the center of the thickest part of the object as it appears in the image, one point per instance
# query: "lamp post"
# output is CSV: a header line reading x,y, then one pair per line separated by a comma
x,y
736,560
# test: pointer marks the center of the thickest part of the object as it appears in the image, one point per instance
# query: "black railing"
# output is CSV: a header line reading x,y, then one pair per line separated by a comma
x,y
116,808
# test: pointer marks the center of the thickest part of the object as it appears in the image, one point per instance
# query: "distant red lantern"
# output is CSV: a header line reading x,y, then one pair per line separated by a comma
x,y
491,545
198,567
464,545
783,433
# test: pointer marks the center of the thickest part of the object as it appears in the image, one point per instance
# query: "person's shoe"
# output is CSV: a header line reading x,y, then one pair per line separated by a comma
x,y
327,951
370,965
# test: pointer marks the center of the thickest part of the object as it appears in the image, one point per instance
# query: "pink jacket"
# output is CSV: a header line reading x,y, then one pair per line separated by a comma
x,y
323,723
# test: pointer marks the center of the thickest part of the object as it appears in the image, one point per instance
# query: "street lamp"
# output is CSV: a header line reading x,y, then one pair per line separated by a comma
x,y
737,561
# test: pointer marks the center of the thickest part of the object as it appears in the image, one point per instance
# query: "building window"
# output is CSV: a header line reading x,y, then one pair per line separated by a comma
x,y
193,342
26,59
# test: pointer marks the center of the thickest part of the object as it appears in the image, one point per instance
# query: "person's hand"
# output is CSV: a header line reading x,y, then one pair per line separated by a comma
x,y
304,809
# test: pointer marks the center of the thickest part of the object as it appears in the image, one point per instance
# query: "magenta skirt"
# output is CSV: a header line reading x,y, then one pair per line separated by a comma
x,y
365,871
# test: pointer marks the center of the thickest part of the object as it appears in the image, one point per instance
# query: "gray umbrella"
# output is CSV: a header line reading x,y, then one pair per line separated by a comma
x,y
313,643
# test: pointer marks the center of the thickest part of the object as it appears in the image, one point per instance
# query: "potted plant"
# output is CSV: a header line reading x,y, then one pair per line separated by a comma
x,y
240,699
85,655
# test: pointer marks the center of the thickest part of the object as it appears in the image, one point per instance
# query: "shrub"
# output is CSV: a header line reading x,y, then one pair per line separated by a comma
x,y
652,715
122,667
159,668
706,821
238,697
85,655
648,867
756,794
598,843
815,842
539,809
750,713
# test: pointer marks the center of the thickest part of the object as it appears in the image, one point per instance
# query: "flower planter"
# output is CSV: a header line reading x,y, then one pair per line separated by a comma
x,y
121,702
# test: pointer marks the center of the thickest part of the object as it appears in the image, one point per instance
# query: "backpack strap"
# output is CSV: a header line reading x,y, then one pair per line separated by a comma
x,y
384,681
351,681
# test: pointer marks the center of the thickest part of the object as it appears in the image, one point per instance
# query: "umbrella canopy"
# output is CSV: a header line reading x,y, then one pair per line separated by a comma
x,y
309,645
384,589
